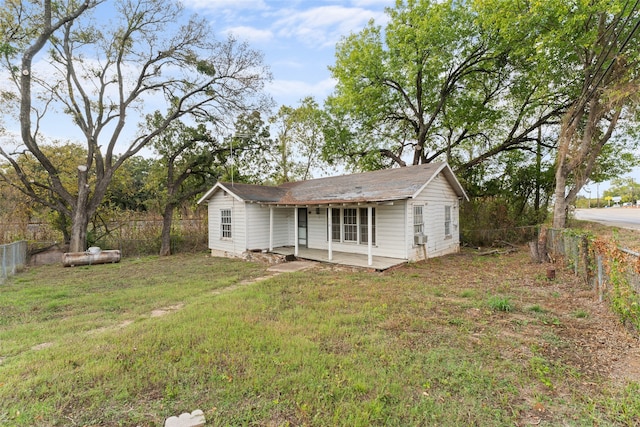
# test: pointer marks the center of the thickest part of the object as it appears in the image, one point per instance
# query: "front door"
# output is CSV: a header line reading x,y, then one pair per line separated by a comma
x,y
302,227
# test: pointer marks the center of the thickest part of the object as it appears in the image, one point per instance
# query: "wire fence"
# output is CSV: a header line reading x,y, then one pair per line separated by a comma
x,y
13,258
612,271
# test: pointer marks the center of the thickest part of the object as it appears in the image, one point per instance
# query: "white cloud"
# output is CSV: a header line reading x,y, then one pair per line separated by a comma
x,y
323,26
226,4
367,3
250,34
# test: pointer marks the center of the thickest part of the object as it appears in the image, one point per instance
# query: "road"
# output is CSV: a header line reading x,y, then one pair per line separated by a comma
x,y
618,217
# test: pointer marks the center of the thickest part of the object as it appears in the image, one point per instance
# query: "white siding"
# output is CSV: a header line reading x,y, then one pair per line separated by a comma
x,y
434,198
389,236
235,245
257,227
282,227
317,232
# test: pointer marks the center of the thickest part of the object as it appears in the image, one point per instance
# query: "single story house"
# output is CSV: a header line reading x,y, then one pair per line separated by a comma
x,y
403,214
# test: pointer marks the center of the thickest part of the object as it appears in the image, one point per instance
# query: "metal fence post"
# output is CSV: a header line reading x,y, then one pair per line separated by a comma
x,y
600,279
14,256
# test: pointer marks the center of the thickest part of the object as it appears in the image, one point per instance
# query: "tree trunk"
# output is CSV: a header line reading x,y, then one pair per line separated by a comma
x,y
167,221
80,221
560,203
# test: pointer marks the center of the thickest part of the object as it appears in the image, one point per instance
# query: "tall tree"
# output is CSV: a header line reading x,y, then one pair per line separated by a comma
x,y
188,164
299,141
584,54
100,77
440,84
607,61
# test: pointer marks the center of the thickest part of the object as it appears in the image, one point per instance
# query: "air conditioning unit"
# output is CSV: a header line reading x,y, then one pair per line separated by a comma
x,y
421,239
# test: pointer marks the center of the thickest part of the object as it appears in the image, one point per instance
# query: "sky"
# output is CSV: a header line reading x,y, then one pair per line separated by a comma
x,y
298,37
298,40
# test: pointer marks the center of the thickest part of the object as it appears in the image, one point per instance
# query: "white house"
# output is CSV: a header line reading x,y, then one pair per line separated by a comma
x,y
402,214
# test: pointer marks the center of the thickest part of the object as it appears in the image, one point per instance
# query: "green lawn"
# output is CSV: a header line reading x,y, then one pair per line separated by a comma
x,y
460,340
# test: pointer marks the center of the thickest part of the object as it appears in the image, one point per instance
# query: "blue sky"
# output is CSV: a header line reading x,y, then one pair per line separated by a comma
x,y
298,38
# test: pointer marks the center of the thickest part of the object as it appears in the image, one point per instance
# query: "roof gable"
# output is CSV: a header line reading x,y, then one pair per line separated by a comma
x,y
377,186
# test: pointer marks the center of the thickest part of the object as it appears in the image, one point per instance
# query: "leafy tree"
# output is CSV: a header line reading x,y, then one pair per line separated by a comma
x,y
590,51
286,148
100,74
253,151
440,84
299,139
129,189
188,164
62,156
625,188
607,83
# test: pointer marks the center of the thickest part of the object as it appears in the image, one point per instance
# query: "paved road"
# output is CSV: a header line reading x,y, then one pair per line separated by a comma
x,y
619,217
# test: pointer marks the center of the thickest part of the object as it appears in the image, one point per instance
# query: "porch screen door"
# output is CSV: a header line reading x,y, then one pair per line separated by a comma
x,y
302,227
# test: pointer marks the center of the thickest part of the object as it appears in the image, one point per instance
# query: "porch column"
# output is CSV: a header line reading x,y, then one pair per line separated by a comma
x,y
270,228
330,233
295,231
369,236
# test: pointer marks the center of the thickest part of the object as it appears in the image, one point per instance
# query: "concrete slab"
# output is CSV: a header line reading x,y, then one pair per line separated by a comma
x,y
289,267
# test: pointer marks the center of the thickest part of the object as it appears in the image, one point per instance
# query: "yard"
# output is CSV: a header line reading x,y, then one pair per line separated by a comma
x,y
459,340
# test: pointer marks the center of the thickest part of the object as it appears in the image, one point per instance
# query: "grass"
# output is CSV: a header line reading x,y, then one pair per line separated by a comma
x,y
314,348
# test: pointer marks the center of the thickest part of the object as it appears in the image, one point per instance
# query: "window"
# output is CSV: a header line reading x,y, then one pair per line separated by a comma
x,y
225,223
418,223
335,225
364,224
350,225
447,221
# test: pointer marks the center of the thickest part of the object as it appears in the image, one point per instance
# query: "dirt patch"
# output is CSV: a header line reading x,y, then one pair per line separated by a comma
x,y
42,346
117,327
166,310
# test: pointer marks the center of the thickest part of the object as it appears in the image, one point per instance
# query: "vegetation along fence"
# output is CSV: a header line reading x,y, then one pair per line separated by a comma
x,y
612,271
13,258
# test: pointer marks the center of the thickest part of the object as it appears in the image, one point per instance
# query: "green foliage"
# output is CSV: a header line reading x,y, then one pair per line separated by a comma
x,y
626,188
131,188
500,303
624,299
541,370
401,95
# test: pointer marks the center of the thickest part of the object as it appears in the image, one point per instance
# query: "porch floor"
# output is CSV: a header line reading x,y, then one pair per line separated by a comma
x,y
343,258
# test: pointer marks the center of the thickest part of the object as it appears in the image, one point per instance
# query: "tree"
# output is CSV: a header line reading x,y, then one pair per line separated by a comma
x,y
62,156
626,188
128,190
286,148
188,164
606,61
252,151
299,141
100,78
396,88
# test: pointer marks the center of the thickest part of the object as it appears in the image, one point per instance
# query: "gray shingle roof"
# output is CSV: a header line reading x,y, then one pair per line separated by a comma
x,y
377,186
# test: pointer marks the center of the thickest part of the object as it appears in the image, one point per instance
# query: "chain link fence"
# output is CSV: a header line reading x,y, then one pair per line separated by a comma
x,y
13,258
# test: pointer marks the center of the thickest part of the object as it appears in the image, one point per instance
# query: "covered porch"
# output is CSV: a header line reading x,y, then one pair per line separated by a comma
x,y
342,258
